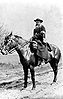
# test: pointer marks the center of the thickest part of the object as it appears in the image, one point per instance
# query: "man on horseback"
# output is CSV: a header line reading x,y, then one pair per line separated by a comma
x,y
39,36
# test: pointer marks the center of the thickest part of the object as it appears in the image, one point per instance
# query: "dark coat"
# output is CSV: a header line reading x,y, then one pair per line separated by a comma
x,y
38,36
42,51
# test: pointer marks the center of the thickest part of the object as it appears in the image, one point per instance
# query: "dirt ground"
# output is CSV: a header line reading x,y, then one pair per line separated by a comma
x,y
11,83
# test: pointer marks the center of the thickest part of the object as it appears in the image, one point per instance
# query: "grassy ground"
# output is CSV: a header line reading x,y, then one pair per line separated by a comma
x,y
11,81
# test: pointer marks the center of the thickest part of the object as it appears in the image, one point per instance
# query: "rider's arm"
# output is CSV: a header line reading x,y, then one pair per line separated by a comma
x,y
34,35
43,28
34,32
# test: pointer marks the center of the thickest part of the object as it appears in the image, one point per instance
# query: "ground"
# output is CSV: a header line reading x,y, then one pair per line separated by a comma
x,y
11,82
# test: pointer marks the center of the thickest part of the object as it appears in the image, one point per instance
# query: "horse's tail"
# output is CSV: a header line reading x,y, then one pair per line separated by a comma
x,y
59,56
57,52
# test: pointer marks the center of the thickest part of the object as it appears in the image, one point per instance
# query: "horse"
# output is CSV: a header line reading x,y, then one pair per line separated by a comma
x,y
27,58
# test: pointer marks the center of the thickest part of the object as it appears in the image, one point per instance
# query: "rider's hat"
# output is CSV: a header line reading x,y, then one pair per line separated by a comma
x,y
38,20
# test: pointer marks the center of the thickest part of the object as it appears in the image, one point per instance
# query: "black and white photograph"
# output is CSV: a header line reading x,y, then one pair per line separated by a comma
x,y
31,49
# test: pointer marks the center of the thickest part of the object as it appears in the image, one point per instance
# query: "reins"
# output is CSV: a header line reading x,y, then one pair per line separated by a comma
x,y
22,46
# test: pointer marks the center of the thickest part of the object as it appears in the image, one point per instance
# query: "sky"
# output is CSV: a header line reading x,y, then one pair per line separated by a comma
x,y
18,16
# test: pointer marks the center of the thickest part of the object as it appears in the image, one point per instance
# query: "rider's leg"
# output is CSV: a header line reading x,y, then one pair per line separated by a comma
x,y
38,60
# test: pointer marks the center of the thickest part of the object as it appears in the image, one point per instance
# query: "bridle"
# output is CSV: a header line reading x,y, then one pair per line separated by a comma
x,y
21,45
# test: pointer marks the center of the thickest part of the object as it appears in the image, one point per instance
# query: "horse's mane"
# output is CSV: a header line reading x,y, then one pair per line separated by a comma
x,y
20,40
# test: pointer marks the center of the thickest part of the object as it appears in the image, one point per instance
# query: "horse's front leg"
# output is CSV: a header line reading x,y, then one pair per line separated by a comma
x,y
32,76
25,77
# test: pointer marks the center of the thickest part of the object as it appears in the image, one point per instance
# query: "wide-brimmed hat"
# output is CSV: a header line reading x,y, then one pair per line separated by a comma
x,y
38,20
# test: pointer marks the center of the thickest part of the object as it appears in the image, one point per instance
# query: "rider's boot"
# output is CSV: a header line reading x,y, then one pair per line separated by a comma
x,y
36,59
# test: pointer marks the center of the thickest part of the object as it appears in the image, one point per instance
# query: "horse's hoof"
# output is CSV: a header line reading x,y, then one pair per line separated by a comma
x,y
25,86
51,83
54,80
33,88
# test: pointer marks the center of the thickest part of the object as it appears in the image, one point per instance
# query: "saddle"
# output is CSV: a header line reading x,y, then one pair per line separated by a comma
x,y
41,51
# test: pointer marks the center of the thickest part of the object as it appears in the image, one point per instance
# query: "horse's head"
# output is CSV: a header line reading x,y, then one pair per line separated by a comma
x,y
8,44
11,42
7,38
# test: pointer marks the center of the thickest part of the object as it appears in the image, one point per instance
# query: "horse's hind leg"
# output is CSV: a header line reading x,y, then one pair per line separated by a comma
x,y
32,76
54,66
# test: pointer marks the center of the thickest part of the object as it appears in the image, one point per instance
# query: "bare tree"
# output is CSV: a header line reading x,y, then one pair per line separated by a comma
x,y
3,32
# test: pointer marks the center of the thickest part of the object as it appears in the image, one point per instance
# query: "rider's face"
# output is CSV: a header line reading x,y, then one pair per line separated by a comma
x,y
38,23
